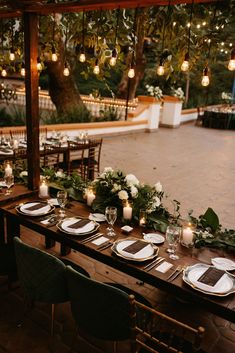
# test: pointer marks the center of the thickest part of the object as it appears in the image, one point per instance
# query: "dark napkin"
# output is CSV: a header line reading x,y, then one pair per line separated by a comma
x,y
35,207
79,224
211,276
135,247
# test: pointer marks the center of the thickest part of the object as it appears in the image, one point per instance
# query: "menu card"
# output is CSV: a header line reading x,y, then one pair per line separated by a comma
x,y
79,224
211,276
135,247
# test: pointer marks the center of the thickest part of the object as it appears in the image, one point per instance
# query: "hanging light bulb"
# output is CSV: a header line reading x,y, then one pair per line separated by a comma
x,y
22,71
160,69
96,69
4,72
54,56
82,56
39,64
185,64
231,64
66,71
12,55
131,72
113,59
205,78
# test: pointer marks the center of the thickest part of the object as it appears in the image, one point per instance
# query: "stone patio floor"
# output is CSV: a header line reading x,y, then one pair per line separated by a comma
x,y
197,167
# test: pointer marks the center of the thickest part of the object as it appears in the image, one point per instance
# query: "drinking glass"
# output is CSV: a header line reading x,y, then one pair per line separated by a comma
x,y
62,201
9,181
111,216
173,237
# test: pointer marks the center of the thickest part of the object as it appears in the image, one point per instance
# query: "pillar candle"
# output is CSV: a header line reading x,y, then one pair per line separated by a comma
x,y
43,190
8,170
187,236
127,211
90,197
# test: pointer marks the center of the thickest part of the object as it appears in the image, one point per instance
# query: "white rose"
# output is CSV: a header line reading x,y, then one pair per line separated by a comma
x,y
59,174
131,179
108,170
158,186
24,173
116,187
156,202
134,191
123,195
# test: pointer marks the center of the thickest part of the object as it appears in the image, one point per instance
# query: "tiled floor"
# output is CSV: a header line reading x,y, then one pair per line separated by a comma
x,y
197,167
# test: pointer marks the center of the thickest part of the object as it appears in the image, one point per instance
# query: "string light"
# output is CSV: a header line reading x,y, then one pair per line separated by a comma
x,y
198,26
185,64
222,44
54,56
96,69
174,24
204,23
12,55
82,56
113,59
205,78
231,64
230,44
188,24
131,72
39,65
160,69
66,71
22,71
4,72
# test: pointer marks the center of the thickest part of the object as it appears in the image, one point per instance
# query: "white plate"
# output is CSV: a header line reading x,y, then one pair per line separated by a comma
x,y
97,217
146,253
223,264
86,229
2,184
45,209
224,286
154,238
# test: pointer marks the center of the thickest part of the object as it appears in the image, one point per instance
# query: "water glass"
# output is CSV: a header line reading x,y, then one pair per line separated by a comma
x,y
62,201
9,181
111,216
172,237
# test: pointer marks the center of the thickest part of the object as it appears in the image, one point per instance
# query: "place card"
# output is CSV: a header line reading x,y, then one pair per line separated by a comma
x,y
164,267
100,241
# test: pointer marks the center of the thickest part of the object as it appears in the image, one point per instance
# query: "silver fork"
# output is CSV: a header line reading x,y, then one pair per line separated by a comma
x,y
92,237
153,263
105,245
175,273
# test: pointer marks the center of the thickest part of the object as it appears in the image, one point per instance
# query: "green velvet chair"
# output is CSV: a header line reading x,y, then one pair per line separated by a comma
x,y
100,310
42,276
8,263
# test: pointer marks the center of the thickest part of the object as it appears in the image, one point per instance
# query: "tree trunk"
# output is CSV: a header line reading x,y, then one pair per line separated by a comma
x,y
140,61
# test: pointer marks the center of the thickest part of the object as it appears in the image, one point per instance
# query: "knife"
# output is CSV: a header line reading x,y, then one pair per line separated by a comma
x,y
178,268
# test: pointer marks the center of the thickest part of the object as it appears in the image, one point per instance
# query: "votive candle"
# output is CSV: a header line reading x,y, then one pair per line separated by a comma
x,y
127,211
187,235
8,170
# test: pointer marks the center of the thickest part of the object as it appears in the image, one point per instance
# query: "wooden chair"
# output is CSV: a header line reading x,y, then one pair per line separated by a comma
x,y
74,159
42,276
8,263
162,333
19,134
200,116
92,162
51,156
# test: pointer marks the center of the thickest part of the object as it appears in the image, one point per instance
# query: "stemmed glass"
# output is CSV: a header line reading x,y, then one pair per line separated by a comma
x,y
62,201
9,181
111,216
173,237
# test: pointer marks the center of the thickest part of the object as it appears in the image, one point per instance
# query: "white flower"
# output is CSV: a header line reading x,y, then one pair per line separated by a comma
x,y
154,91
123,195
23,173
158,186
131,179
106,171
116,187
60,174
134,191
156,202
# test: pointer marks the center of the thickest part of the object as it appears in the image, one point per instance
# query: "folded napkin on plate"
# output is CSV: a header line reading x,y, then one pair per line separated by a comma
x,y
79,224
211,276
135,247
35,207
5,150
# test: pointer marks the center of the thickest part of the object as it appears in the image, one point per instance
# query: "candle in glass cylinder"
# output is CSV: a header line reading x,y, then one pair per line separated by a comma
x,y
127,211
8,170
90,197
43,190
187,235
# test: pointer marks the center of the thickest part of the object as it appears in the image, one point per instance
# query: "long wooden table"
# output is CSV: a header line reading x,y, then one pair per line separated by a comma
x,y
223,306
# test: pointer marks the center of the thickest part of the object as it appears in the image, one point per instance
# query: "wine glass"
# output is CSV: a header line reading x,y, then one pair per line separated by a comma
x,y
9,181
62,201
111,216
172,237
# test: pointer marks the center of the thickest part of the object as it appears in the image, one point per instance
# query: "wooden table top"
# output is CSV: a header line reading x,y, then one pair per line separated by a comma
x,y
221,306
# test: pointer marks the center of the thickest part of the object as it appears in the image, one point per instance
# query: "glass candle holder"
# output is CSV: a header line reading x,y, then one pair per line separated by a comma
x,y
43,189
127,210
187,237
8,170
143,218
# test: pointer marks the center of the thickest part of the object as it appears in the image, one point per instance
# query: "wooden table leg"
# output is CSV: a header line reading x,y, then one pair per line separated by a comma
x,y
49,243
64,250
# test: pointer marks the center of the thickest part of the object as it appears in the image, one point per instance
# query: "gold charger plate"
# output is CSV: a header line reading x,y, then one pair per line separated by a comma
x,y
153,249
39,214
59,226
202,266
